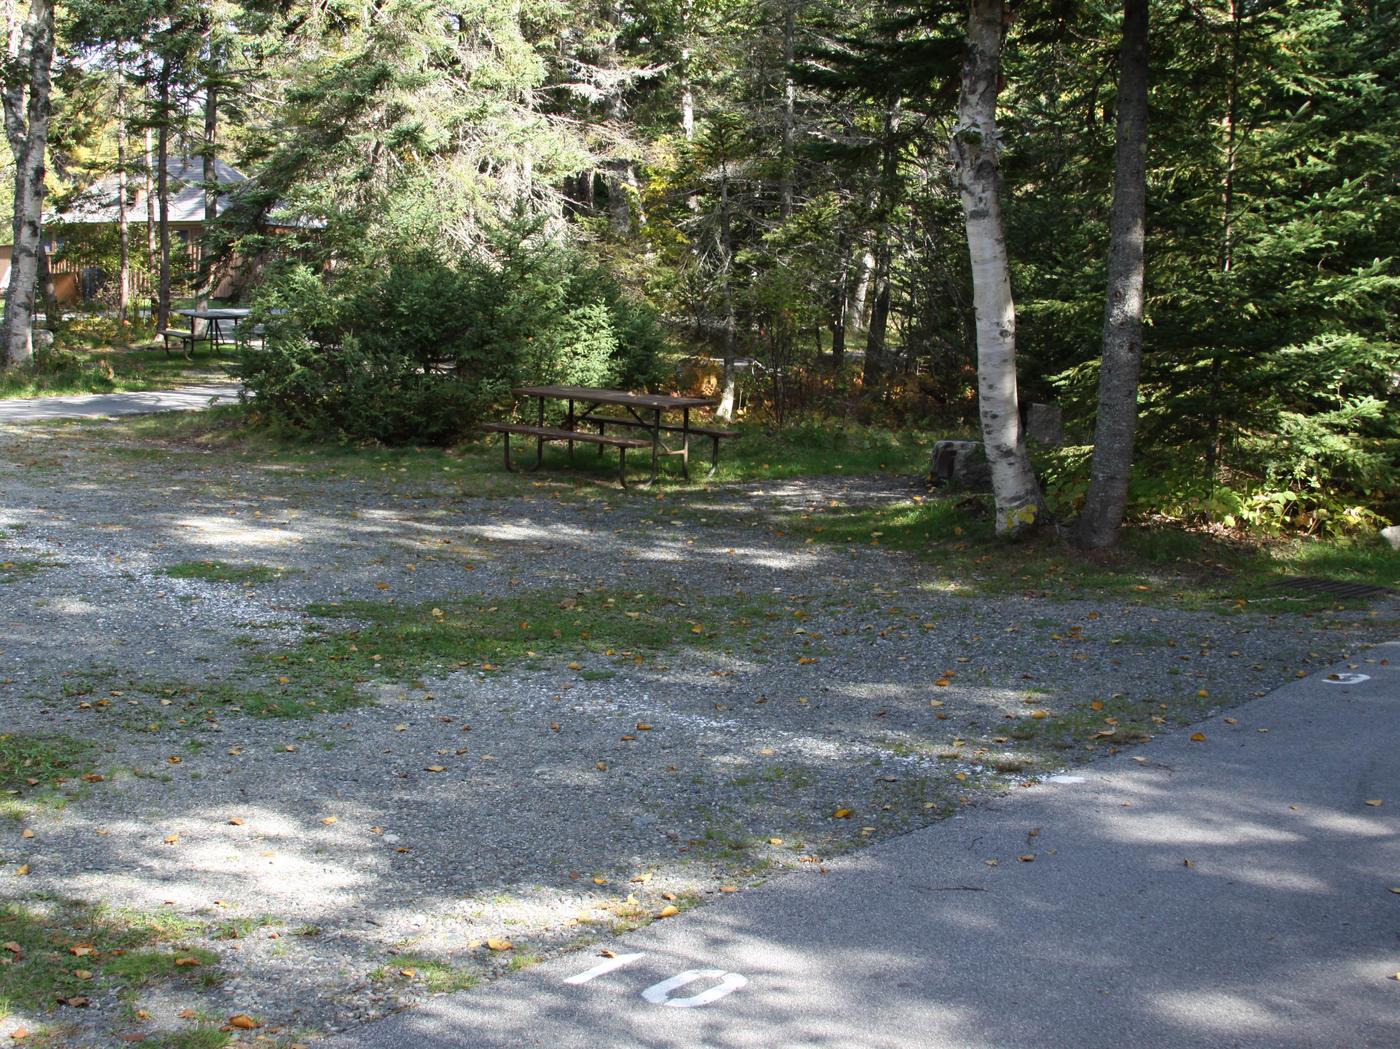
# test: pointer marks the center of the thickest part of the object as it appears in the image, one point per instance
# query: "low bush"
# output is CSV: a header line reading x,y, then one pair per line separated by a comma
x,y
417,351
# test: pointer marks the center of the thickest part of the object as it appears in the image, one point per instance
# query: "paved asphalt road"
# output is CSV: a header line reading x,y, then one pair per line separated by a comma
x,y
1227,893
105,405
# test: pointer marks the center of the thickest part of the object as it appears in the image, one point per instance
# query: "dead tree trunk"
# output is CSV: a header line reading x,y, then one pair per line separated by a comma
x,y
26,108
974,150
1123,303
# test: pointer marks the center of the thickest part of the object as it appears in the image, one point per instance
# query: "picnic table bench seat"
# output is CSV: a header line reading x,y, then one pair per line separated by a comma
x,y
185,338
554,433
714,433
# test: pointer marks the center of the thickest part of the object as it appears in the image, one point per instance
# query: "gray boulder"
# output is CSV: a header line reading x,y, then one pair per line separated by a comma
x,y
961,464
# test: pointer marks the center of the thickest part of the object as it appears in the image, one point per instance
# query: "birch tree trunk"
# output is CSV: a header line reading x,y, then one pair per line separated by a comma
x,y
974,150
1123,302
26,109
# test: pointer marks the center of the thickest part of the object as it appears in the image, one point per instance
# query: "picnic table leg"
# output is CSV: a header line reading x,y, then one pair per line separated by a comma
x,y
655,443
569,425
685,447
539,441
621,464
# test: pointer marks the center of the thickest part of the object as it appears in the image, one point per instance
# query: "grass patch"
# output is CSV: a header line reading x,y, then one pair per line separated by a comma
x,y
221,572
398,641
1113,722
362,642
13,571
67,950
1151,564
109,369
430,973
205,1036
46,760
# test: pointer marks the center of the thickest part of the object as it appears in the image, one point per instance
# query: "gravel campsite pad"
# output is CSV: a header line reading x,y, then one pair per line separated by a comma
x,y
295,746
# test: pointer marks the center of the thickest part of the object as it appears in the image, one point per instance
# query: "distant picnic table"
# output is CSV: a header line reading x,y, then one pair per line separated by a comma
x,y
214,318
641,418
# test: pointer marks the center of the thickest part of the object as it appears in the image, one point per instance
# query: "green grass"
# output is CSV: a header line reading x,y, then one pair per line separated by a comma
x,y
220,572
13,571
43,758
205,1036
429,973
110,369
359,642
1155,565
71,949
1118,721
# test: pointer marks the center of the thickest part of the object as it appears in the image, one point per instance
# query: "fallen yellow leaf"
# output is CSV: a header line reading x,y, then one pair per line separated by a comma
x,y
243,1022
1198,737
435,768
329,820
669,911
184,962
499,945
842,814
1374,802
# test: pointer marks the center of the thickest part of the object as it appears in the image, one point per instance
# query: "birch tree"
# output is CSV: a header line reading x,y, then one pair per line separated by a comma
x,y
1122,323
974,148
29,58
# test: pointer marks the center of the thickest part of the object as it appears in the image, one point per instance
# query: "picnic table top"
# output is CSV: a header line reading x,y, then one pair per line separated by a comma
x,y
218,313
621,397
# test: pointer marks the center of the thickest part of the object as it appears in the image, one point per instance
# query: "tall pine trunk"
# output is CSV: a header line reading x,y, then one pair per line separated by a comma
x,y
876,351
1123,304
163,196
26,109
974,149
209,156
785,179
123,206
728,380
152,258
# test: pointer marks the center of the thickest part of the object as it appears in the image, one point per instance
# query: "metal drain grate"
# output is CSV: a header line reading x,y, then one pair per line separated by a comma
x,y
1309,585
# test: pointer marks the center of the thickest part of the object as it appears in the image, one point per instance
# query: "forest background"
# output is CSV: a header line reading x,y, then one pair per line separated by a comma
x,y
585,190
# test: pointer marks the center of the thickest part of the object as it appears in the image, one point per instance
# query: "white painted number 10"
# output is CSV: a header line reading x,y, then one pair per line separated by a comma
x,y
724,983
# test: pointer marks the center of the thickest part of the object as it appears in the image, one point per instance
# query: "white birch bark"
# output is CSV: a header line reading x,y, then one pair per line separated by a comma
x,y
26,111
974,149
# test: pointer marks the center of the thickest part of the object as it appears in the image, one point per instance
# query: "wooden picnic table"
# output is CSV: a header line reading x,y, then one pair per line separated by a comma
x,y
214,319
641,414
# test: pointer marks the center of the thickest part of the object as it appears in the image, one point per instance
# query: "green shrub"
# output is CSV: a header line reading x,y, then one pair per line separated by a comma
x,y
417,351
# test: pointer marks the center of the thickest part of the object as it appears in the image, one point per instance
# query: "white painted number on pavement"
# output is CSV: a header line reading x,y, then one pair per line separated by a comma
x,y
660,993
1347,679
603,968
